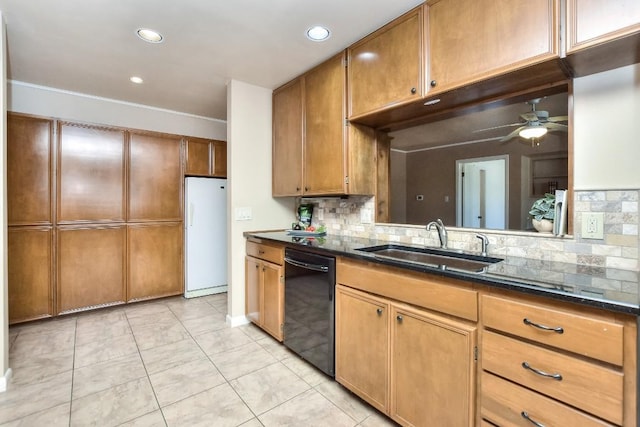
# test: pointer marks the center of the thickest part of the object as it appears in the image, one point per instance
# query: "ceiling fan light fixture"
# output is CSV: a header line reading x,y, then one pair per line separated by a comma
x,y
530,132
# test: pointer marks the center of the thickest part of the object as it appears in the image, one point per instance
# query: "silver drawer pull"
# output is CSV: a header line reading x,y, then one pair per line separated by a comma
x,y
543,327
558,377
532,421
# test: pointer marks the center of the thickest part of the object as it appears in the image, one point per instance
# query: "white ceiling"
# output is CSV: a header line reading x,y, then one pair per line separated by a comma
x,y
90,46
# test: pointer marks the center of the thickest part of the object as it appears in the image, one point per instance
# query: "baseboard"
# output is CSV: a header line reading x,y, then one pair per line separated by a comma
x,y
206,291
4,380
237,320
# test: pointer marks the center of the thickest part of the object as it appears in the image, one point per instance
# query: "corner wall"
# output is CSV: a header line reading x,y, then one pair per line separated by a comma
x,y
249,171
5,372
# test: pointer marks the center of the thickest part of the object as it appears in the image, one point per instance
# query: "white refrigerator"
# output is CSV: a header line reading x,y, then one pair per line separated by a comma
x,y
205,236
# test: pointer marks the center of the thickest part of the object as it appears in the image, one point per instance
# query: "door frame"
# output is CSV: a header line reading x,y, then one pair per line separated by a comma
x,y
459,189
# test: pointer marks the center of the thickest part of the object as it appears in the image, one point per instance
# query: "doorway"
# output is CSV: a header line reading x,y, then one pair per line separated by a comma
x,y
482,192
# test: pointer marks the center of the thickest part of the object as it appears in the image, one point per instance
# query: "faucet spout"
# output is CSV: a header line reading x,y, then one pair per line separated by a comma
x,y
484,242
442,231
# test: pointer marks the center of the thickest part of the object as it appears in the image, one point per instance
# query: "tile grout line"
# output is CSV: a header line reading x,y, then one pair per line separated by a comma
x,y
144,365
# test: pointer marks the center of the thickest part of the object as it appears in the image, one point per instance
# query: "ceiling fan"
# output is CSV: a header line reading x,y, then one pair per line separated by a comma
x,y
535,125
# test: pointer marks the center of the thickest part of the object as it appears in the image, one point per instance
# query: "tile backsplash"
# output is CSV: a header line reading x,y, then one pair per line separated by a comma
x,y
618,249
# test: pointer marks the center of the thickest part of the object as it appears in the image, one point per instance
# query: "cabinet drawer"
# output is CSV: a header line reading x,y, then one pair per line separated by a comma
x,y
588,336
504,403
588,386
266,252
424,290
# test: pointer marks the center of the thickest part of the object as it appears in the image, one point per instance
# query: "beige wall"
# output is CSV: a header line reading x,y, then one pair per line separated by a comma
x,y
249,171
50,102
607,130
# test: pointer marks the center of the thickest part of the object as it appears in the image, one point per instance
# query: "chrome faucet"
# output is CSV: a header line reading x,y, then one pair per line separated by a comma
x,y
484,241
442,232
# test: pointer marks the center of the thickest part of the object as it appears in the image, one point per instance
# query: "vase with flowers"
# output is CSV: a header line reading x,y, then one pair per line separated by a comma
x,y
543,212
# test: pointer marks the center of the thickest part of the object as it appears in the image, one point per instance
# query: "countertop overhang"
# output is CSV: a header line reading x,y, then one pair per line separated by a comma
x,y
606,288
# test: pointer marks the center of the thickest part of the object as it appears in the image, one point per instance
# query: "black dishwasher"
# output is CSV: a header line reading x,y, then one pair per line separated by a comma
x,y
309,307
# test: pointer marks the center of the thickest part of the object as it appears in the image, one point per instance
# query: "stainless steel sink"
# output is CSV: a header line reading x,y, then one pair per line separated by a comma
x,y
438,258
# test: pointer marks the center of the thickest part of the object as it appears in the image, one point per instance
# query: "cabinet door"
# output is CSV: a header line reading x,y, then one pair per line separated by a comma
x,y
155,178
432,370
219,150
198,157
471,40
252,289
272,299
385,68
90,267
155,264
591,22
28,170
30,273
324,144
91,174
287,139
362,346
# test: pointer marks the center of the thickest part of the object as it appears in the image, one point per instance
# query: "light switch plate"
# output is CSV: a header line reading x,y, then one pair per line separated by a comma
x,y
243,214
593,225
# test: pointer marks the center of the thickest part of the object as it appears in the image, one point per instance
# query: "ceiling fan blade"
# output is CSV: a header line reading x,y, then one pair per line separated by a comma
x,y
529,117
558,119
556,126
512,135
499,127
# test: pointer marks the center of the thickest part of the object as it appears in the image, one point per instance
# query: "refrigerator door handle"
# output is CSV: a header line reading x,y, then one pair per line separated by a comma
x,y
192,209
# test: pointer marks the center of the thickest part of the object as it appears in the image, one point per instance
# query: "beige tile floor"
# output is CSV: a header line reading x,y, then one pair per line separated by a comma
x,y
169,362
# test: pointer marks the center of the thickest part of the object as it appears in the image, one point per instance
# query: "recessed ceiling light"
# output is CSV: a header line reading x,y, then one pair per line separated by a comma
x,y
318,33
148,35
136,80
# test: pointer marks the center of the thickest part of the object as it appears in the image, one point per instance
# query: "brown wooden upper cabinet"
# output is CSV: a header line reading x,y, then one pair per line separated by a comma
x,y
206,157
155,177
472,40
287,139
338,158
29,167
385,69
91,174
602,34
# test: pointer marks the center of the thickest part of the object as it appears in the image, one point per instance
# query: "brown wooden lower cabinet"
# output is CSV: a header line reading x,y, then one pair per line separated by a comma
x,y
91,267
155,265
416,366
30,273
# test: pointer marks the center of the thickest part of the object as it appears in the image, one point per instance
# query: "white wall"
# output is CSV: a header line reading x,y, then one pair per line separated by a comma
x,y
5,372
249,172
607,130
50,102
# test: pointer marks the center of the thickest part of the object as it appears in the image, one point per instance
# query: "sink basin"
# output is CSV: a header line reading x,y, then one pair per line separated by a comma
x,y
440,258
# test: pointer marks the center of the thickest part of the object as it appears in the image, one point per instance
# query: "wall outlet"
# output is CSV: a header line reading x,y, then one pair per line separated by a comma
x,y
593,225
243,214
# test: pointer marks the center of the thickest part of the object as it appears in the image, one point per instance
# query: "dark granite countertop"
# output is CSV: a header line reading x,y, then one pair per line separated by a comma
x,y
601,287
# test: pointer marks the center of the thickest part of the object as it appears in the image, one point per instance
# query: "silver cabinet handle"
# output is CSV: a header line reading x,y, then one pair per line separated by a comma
x,y
531,420
379,311
399,318
528,322
525,365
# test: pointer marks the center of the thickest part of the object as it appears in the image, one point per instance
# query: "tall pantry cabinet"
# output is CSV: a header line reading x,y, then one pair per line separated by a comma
x,y
30,217
95,216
